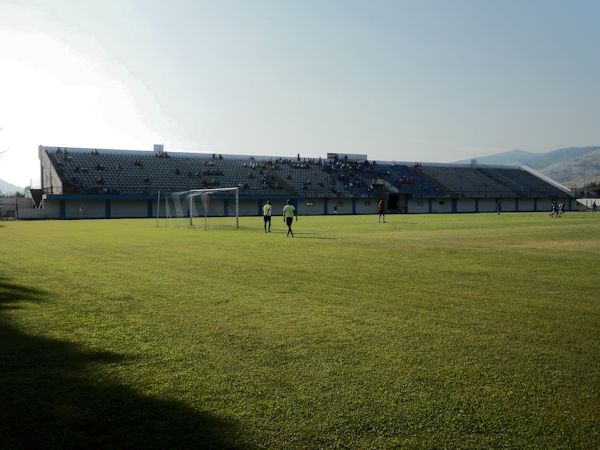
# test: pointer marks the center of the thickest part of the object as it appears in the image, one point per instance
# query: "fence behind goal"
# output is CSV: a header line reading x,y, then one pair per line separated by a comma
x,y
193,208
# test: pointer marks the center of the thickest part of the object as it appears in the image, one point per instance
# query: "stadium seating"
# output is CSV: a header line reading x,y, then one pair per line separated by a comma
x,y
143,173
114,172
351,178
467,182
524,183
410,181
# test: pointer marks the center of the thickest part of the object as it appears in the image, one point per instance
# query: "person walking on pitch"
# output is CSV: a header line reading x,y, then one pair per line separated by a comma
x,y
267,216
381,211
288,216
554,211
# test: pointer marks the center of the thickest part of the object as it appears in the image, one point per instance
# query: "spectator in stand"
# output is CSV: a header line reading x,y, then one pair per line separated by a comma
x,y
381,210
267,209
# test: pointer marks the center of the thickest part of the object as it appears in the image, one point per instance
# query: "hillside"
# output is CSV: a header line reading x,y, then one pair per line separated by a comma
x,y
7,188
569,166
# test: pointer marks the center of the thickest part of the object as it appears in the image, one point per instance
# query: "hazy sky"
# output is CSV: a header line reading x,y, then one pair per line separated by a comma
x,y
405,80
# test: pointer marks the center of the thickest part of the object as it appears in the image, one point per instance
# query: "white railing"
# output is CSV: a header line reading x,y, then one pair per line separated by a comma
x,y
548,180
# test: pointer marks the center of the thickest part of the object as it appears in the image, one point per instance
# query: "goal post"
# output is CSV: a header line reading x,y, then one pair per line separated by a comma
x,y
186,207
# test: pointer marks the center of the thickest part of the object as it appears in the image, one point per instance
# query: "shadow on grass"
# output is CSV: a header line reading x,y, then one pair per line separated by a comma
x,y
309,235
51,396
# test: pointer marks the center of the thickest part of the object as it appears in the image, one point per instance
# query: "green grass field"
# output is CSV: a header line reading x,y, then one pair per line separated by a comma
x,y
429,331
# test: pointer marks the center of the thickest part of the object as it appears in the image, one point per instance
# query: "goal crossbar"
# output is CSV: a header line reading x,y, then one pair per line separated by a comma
x,y
205,194
194,192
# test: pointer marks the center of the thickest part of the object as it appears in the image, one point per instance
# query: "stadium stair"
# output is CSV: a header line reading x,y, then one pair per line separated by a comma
x,y
386,185
280,181
433,181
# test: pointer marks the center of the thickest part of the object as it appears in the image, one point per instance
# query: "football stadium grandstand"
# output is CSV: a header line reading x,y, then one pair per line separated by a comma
x,y
103,183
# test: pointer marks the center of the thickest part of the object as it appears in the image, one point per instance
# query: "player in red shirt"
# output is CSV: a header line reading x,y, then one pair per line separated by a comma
x,y
381,211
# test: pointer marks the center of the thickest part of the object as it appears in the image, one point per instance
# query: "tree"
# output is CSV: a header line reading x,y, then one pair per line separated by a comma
x,y
592,187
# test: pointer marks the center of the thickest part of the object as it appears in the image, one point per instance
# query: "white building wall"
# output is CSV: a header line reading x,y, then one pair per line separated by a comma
x,y
216,208
344,205
124,208
487,205
419,206
35,213
247,208
466,205
51,209
50,179
441,205
508,204
365,206
583,204
525,204
331,202
92,209
277,207
310,206
544,204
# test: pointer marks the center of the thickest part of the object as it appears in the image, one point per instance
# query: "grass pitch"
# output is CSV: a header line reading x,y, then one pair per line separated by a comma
x,y
429,331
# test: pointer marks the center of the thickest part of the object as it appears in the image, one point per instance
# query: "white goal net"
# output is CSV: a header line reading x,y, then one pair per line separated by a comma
x,y
194,208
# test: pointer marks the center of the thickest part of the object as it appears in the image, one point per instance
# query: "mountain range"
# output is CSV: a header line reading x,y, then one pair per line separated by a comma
x,y
7,188
569,166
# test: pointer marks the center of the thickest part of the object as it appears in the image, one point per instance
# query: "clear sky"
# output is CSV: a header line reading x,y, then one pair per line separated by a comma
x,y
398,80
